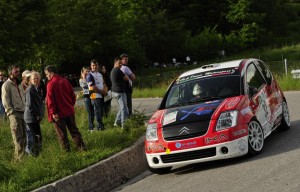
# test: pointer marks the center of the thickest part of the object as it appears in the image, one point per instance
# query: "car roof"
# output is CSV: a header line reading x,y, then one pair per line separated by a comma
x,y
214,66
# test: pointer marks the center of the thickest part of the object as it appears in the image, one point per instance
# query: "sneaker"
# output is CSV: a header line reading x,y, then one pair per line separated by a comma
x,y
91,130
117,125
101,129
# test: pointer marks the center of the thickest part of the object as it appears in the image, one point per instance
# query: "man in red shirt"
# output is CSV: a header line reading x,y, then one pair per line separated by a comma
x,y
60,101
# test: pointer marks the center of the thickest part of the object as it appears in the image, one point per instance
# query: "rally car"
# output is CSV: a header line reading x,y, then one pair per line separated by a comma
x,y
217,111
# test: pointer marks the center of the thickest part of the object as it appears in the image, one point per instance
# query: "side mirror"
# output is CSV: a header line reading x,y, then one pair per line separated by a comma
x,y
252,90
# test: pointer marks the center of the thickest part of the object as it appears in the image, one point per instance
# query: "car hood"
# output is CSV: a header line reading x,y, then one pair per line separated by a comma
x,y
186,114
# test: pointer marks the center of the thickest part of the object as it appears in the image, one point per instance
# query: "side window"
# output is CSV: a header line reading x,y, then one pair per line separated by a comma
x,y
176,95
265,71
173,96
254,78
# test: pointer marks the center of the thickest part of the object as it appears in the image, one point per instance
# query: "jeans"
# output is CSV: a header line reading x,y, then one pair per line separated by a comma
x,y
107,107
90,110
2,110
34,139
129,101
98,109
122,114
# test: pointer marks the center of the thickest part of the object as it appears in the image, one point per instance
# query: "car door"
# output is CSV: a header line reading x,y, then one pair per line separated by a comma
x,y
274,96
257,89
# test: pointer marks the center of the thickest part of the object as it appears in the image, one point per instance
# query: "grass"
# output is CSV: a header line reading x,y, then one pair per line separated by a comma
x,y
287,83
53,163
153,92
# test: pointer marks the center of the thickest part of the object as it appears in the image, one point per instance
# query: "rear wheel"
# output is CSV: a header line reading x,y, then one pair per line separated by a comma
x,y
286,121
255,138
160,171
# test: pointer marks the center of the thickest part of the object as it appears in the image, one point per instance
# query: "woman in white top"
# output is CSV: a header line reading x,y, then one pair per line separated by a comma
x,y
86,96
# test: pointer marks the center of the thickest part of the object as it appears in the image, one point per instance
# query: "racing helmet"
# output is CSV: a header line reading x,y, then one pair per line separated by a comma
x,y
197,90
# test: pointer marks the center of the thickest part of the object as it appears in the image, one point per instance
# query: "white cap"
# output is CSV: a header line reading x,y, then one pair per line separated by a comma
x,y
26,73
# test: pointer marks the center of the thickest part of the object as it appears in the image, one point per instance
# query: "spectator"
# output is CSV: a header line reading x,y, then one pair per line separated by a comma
x,y
2,80
13,101
60,100
188,60
86,96
23,88
174,61
119,81
128,90
107,98
96,84
33,114
25,81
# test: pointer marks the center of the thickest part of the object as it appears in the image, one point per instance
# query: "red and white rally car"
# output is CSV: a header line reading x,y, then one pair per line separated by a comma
x,y
217,111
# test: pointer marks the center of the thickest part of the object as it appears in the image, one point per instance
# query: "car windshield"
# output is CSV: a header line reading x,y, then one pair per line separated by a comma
x,y
204,89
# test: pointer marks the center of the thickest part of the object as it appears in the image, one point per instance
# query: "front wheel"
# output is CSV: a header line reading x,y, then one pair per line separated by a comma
x,y
160,171
255,138
286,121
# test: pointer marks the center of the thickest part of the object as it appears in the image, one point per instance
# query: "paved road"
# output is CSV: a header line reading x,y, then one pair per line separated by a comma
x,y
276,169
145,105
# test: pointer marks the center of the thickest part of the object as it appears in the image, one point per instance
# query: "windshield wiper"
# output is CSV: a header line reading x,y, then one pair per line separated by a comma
x,y
195,100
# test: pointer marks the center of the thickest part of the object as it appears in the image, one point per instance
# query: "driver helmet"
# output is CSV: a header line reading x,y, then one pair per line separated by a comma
x,y
197,90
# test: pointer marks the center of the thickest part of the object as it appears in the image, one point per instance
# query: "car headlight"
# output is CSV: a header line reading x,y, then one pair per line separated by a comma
x,y
226,120
151,132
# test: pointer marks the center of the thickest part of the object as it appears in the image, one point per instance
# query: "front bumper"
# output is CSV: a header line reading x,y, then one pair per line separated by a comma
x,y
224,150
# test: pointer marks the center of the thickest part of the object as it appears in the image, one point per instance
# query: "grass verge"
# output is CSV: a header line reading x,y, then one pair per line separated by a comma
x,y
53,163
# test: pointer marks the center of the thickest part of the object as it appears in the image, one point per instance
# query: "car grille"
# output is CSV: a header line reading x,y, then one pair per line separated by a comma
x,y
185,131
191,155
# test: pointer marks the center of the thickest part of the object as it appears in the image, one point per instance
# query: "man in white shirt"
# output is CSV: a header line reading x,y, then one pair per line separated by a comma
x,y
96,84
126,70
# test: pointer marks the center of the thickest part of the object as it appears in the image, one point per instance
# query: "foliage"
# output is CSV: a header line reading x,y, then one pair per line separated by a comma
x,y
37,33
53,163
206,44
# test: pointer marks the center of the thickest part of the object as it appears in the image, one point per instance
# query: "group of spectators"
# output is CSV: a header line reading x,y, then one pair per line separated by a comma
x,y
24,102
99,87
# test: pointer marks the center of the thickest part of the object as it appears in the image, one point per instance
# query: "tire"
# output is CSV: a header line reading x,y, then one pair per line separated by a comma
x,y
160,171
285,121
255,138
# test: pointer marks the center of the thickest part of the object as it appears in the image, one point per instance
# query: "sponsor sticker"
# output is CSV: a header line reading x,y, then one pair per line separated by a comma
x,y
200,110
170,117
232,102
239,132
242,145
156,148
216,138
185,145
